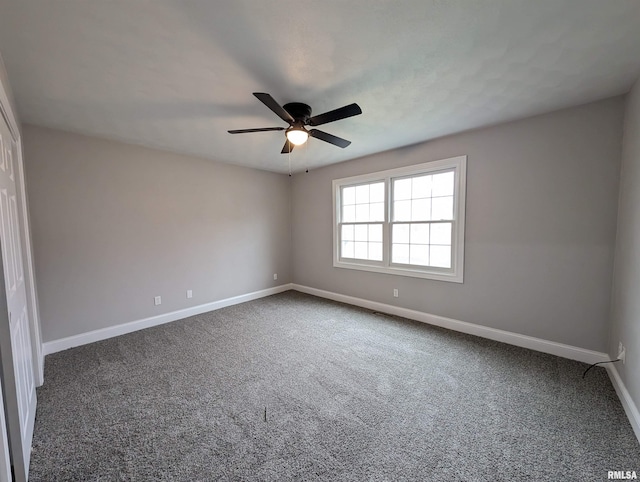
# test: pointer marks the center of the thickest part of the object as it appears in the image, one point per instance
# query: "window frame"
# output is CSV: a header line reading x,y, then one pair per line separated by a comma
x,y
454,274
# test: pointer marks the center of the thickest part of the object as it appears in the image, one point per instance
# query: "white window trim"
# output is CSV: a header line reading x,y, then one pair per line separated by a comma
x,y
456,273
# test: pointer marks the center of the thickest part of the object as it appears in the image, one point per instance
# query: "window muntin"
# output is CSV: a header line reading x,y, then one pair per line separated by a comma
x,y
407,221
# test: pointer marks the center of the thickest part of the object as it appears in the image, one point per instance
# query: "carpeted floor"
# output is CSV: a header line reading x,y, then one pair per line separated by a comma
x,y
348,394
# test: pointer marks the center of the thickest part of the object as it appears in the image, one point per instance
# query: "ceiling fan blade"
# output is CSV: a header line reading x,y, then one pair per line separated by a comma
x,y
330,138
271,103
259,129
334,115
288,147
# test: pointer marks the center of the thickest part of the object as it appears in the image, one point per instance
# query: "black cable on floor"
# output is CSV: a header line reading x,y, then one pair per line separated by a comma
x,y
599,363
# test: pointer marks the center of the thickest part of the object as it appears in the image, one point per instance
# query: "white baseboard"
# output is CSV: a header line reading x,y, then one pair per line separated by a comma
x,y
117,330
625,397
538,344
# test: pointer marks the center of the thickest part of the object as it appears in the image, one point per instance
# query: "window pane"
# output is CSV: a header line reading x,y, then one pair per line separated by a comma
x,y
419,234
348,214
419,254
375,233
362,194
441,233
402,211
440,256
375,251
360,250
400,253
348,195
401,189
376,192
421,210
347,249
421,187
362,213
442,208
400,233
442,184
361,232
376,212
347,232
362,241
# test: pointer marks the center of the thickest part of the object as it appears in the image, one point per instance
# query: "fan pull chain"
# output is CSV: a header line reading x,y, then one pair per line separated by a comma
x,y
306,163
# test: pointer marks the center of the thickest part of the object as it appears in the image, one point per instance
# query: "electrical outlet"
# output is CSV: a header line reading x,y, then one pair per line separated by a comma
x,y
189,294
395,292
157,300
275,276
622,352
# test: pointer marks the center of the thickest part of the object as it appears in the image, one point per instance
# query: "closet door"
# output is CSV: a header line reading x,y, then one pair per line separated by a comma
x,y
15,338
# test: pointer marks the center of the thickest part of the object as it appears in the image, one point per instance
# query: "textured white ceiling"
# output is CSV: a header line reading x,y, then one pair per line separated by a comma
x,y
178,74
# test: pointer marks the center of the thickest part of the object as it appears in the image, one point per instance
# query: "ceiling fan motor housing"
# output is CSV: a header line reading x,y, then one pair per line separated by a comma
x,y
299,111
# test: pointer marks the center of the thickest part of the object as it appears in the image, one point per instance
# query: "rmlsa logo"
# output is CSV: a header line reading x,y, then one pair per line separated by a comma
x,y
622,475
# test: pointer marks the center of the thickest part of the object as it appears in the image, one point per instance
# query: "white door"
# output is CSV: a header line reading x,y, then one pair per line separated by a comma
x,y
15,338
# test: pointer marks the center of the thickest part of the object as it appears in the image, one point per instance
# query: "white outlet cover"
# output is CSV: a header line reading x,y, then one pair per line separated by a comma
x,y
157,300
189,294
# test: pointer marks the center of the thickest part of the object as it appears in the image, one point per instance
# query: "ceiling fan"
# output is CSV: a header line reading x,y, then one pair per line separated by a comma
x,y
298,115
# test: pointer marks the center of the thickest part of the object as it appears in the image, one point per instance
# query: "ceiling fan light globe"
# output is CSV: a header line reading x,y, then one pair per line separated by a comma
x,y
297,136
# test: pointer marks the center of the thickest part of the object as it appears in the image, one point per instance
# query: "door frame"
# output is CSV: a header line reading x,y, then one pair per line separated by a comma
x,y
5,460
10,116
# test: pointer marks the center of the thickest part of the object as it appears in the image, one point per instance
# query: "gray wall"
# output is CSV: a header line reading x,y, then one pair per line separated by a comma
x,y
115,225
541,218
625,325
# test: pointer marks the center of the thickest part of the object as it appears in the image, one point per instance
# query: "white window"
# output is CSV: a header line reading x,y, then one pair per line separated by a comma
x,y
407,221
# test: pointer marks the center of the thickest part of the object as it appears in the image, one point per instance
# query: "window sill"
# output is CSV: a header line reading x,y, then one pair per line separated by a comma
x,y
397,271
